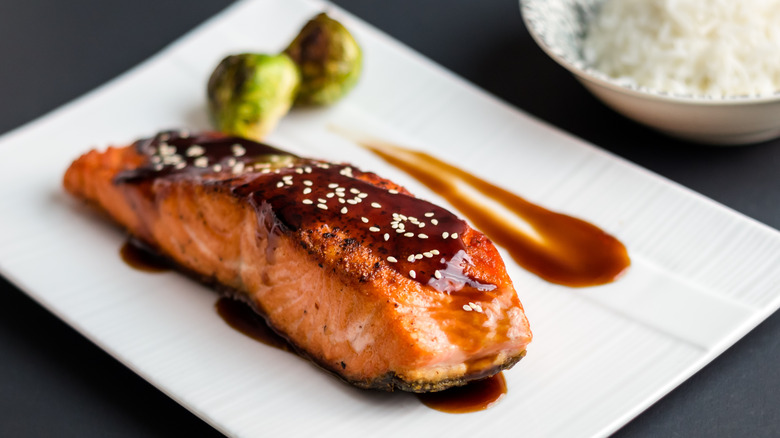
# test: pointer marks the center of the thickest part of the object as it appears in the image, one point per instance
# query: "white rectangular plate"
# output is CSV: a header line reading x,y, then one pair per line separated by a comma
x,y
702,275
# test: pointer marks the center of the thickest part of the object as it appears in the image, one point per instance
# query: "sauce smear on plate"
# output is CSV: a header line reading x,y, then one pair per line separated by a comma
x,y
556,247
476,396
244,319
138,257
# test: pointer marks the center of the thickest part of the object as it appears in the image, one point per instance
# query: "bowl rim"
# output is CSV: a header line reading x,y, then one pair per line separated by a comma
x,y
639,92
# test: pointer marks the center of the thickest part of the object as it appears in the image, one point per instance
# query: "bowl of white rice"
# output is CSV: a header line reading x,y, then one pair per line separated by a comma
x,y
706,71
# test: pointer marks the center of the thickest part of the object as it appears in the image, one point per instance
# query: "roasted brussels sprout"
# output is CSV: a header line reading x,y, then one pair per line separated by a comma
x,y
249,93
329,58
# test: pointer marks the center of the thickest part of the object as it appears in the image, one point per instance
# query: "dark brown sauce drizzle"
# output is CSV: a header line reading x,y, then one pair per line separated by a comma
x,y
138,256
244,319
568,251
474,397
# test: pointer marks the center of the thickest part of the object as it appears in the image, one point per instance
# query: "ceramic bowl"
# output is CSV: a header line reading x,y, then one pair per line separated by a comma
x,y
558,26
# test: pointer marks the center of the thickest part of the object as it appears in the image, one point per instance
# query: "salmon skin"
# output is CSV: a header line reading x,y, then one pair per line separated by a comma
x,y
383,289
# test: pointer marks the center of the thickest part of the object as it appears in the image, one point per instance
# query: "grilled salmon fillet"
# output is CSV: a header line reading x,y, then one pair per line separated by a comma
x,y
383,289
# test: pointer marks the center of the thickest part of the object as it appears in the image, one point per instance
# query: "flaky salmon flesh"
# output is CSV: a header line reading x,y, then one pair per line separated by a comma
x,y
381,288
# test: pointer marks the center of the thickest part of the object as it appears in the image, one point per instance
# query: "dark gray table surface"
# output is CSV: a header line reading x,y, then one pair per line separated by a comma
x,y
53,382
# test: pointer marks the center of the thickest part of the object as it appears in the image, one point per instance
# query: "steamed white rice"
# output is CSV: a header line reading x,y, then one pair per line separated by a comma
x,y
689,47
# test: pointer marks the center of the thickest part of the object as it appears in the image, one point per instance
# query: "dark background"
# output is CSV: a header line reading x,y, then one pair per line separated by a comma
x,y
53,382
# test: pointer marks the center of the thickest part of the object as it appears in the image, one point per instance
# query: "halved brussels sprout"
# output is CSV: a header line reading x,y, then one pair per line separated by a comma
x,y
329,58
249,93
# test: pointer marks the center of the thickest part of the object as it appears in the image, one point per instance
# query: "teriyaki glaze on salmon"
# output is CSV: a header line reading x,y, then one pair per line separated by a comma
x,y
381,288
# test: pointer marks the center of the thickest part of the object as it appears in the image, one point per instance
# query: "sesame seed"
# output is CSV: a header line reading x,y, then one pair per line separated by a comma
x,y
373,229
231,162
418,256
238,168
280,184
344,210
195,151
307,169
410,258
322,201
322,206
434,221
403,217
201,162
332,185
392,259
287,178
266,170
354,191
392,192
409,234
387,237
376,205
454,235
340,194
421,224
172,159
330,195
351,202
181,165
437,274
364,219
435,251
467,308
412,274
429,214
308,201
217,167
422,236
238,150
362,195
299,171
427,254
445,235
306,182
307,190
399,230
339,189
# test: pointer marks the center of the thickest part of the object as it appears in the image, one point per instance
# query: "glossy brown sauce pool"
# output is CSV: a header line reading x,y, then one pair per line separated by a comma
x,y
476,396
141,258
560,249
244,319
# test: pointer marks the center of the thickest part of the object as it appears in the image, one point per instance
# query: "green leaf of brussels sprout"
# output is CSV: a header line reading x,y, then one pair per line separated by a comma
x,y
329,58
249,93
